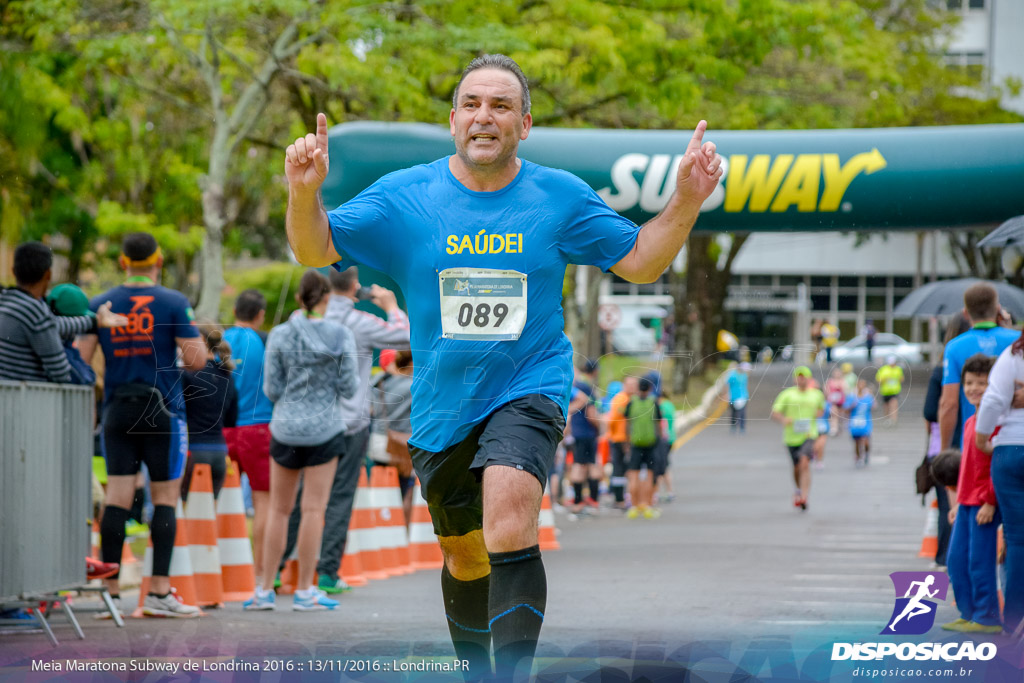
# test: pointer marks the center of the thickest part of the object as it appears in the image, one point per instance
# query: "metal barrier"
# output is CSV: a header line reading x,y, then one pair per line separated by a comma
x,y
45,486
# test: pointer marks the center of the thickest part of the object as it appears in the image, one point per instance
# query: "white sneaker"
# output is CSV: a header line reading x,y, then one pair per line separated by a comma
x,y
260,600
170,605
105,614
313,600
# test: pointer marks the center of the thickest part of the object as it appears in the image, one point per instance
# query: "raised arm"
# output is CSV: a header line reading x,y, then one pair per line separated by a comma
x,y
949,408
663,236
305,167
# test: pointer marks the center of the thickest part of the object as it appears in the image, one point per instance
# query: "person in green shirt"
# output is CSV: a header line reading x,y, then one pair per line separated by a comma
x,y
663,479
890,384
798,409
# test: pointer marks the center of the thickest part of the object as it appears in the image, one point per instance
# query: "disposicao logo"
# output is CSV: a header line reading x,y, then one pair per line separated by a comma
x,y
914,613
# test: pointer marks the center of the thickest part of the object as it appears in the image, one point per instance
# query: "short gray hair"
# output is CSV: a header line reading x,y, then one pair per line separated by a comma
x,y
502,63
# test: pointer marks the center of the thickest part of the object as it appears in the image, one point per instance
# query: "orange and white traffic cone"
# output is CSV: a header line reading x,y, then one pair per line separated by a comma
x,y
351,570
238,576
94,544
604,450
204,551
181,567
424,550
384,529
930,538
547,535
364,526
397,521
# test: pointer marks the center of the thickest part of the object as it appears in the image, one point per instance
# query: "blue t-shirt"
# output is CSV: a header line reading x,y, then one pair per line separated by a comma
x,y
501,333
737,386
145,351
823,421
247,350
988,340
860,414
581,427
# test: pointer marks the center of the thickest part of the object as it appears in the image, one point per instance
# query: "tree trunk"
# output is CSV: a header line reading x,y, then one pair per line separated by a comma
x,y
700,314
592,348
212,253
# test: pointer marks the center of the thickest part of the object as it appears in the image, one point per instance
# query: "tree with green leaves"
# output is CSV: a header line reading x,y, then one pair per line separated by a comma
x,y
171,117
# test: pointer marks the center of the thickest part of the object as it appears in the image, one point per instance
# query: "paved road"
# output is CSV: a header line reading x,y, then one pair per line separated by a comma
x,y
730,559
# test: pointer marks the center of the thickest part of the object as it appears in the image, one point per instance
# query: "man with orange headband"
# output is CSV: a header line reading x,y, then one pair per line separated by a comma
x,y
143,409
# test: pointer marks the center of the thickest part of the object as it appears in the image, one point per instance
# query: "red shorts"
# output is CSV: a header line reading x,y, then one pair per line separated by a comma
x,y
249,446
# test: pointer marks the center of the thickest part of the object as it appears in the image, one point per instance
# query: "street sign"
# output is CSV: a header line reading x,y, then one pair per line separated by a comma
x,y
608,317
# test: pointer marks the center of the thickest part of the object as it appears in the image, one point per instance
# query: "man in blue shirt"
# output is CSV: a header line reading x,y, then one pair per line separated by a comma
x,y
981,303
249,441
479,242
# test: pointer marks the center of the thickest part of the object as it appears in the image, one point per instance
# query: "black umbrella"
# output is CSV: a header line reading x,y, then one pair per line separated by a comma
x,y
1008,234
946,297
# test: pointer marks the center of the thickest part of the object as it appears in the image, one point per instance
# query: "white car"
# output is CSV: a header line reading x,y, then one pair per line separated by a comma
x,y
886,344
634,334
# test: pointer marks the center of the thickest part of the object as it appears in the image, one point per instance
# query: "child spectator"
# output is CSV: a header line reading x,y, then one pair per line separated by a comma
x,y
69,300
945,468
860,405
972,548
211,403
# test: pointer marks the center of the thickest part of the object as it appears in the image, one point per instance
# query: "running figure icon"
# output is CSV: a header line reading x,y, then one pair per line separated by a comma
x,y
915,607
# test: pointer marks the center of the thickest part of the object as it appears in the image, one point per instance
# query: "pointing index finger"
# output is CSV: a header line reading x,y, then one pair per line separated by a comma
x,y
698,136
321,132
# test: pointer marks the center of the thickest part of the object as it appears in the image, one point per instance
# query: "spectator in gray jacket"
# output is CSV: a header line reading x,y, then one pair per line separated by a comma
x,y
369,333
309,363
30,334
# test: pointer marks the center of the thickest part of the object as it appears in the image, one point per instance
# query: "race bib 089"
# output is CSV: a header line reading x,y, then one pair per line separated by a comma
x,y
482,304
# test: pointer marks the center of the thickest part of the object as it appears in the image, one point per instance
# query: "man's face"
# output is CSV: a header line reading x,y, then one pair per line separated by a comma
x,y
631,385
802,382
974,387
488,122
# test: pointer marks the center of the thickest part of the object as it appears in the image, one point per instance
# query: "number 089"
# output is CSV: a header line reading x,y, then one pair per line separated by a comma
x,y
480,316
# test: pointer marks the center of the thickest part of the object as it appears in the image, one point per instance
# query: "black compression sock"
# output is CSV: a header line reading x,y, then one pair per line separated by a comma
x,y
518,598
465,606
162,530
577,489
137,502
112,534
595,489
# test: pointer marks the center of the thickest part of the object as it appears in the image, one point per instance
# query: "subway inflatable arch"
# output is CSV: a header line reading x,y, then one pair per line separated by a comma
x,y
856,179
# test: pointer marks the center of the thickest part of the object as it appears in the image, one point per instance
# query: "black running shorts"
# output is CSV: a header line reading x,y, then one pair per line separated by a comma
x,y
137,428
804,450
297,457
584,452
643,455
522,434
661,459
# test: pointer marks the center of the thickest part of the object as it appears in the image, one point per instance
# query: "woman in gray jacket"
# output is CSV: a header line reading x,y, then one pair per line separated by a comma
x,y
310,363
